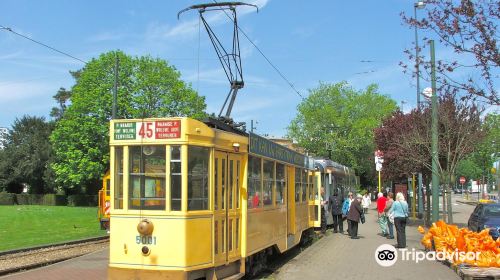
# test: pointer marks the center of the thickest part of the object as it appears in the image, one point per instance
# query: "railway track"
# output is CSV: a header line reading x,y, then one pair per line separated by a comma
x,y
29,258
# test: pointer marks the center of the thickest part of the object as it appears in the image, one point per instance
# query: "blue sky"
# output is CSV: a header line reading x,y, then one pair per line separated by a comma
x,y
309,41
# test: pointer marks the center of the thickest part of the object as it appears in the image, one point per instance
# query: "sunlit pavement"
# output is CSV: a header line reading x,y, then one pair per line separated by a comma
x,y
92,266
337,256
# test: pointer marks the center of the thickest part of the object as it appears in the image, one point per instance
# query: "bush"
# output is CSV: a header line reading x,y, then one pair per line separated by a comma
x,y
7,198
23,199
40,199
82,200
36,199
55,200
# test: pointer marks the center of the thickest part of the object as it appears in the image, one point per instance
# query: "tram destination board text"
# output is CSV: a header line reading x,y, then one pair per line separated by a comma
x,y
147,130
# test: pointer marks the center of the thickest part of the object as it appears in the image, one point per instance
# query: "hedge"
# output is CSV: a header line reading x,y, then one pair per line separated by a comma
x,y
46,199
7,198
82,200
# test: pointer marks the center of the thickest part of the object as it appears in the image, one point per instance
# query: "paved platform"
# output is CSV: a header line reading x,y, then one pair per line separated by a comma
x,y
336,256
92,266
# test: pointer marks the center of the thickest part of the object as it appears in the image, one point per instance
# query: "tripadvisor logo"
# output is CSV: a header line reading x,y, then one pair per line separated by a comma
x,y
386,255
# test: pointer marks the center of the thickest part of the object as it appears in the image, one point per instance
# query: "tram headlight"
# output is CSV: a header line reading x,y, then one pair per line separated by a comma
x,y
145,227
236,147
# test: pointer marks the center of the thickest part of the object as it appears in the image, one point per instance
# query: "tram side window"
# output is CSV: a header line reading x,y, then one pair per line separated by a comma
x,y
254,180
280,184
332,184
339,183
298,172
175,178
118,199
268,182
147,177
314,183
304,185
198,158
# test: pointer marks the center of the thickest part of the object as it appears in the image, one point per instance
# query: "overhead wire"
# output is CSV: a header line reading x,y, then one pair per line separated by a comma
x,y
40,43
266,58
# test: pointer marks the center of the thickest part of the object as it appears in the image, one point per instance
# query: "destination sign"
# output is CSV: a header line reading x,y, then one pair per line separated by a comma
x,y
169,129
263,147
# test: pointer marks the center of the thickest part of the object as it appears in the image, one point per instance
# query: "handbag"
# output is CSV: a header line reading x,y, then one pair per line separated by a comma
x,y
362,218
391,217
406,213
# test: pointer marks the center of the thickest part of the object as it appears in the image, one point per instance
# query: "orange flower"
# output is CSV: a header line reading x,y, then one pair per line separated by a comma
x,y
421,229
450,238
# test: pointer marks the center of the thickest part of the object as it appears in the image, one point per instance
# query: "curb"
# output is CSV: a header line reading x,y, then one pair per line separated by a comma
x,y
36,265
474,203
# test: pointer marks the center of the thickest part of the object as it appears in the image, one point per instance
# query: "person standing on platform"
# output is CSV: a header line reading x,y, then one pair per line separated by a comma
x,y
366,202
323,203
387,212
345,209
355,215
382,219
400,210
335,206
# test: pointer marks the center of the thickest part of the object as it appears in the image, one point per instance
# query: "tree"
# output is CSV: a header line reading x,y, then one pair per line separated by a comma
x,y
147,87
478,164
25,156
62,97
459,128
469,28
469,169
398,164
339,120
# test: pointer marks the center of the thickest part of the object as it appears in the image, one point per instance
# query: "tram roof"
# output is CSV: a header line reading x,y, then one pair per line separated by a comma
x,y
325,165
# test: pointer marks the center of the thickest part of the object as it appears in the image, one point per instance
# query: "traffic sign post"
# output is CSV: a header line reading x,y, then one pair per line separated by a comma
x,y
462,180
379,159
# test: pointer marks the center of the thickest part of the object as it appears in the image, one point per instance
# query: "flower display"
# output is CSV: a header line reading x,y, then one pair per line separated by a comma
x,y
442,237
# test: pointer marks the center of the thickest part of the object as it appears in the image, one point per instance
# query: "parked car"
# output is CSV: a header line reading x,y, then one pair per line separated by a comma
x,y
486,215
457,190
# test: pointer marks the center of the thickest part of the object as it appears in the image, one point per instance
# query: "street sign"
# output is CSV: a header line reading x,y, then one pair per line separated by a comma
x,y
462,180
427,92
379,159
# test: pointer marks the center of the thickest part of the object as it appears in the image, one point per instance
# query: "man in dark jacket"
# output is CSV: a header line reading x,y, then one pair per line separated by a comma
x,y
354,215
335,206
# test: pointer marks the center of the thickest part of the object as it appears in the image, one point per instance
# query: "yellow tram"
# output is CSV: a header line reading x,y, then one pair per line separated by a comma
x,y
194,200
104,202
333,176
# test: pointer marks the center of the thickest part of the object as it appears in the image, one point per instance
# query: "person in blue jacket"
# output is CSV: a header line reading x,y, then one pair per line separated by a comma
x,y
400,210
345,209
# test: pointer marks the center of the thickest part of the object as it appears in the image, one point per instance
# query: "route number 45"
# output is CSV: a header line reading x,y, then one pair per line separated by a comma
x,y
146,130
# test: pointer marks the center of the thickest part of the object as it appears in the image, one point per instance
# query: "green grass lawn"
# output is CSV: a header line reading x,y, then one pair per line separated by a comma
x,y
32,225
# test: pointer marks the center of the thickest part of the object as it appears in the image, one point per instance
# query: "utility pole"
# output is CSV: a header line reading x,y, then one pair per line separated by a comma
x,y
420,196
115,88
252,128
419,5
434,132
413,197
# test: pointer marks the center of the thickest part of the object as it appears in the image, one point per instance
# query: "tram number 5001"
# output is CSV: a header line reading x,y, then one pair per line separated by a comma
x,y
146,240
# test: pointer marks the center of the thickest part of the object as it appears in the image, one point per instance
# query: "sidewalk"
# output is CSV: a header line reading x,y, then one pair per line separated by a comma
x,y
336,256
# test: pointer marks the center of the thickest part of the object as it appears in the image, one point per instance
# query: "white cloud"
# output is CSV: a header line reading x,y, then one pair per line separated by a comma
x,y
17,92
10,55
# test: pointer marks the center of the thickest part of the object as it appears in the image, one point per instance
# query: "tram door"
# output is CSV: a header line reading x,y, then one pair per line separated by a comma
x,y
227,208
291,201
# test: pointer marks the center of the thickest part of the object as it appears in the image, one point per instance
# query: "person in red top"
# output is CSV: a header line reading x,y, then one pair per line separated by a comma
x,y
382,218
256,200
